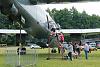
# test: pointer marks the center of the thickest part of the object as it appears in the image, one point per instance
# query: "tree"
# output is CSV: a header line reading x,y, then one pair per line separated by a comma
x,y
6,23
3,21
72,19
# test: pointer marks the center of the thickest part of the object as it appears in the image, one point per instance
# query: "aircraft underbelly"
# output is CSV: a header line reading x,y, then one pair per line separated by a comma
x,y
36,20
33,26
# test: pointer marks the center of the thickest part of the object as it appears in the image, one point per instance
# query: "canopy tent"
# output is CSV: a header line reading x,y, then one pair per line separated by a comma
x,y
71,31
9,31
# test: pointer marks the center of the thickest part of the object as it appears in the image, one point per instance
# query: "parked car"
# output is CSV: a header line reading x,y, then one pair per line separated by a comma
x,y
34,46
98,44
92,46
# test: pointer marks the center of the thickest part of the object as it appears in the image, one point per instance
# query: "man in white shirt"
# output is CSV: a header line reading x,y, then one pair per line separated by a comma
x,y
70,50
86,50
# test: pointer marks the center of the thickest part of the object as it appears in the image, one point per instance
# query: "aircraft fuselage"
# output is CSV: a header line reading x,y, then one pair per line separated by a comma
x,y
35,18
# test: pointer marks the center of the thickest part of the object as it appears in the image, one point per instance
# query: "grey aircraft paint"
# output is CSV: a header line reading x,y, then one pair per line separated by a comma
x,y
35,18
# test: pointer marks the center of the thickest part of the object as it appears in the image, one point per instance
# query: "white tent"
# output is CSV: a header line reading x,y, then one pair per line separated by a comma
x,y
79,30
8,31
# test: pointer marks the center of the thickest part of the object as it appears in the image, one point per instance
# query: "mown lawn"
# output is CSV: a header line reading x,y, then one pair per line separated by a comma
x,y
56,61
93,61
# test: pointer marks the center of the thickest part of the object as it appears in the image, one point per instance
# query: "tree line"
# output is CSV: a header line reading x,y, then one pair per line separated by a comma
x,y
72,19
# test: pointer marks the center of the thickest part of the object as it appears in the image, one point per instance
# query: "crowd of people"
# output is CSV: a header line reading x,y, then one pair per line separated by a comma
x,y
73,49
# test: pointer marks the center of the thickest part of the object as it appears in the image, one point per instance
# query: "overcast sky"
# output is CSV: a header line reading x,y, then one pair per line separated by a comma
x,y
89,7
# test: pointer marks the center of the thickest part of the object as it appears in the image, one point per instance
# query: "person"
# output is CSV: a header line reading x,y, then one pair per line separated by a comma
x,y
59,50
61,37
90,48
78,49
52,37
53,32
86,50
70,50
75,54
74,47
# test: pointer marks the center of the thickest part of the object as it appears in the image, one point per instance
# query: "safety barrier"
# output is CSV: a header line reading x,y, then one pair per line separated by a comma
x,y
16,59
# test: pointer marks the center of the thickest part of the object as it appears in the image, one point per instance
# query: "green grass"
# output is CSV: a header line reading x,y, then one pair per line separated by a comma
x,y
93,61
56,61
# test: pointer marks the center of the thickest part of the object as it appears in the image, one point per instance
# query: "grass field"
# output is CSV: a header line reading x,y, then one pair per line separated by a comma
x,y
56,61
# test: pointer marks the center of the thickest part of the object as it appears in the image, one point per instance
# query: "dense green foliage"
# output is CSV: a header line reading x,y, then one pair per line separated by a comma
x,y
5,23
72,19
